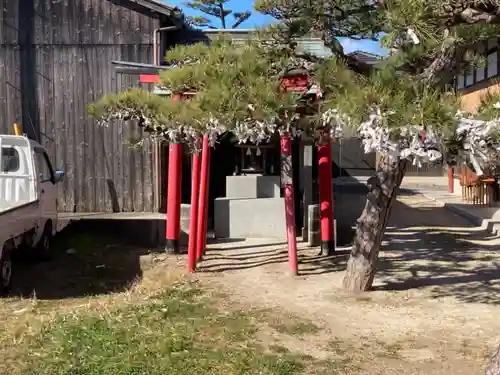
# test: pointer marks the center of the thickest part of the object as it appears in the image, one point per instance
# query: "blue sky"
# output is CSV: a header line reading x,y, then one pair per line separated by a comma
x,y
258,19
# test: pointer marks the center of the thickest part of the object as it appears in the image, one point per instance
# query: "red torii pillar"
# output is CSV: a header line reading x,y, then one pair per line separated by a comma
x,y
199,198
174,187
195,198
302,83
451,180
326,192
201,234
287,183
174,184
290,83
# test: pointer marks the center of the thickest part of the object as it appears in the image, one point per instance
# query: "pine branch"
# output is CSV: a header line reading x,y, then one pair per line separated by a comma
x,y
199,21
217,9
240,17
445,65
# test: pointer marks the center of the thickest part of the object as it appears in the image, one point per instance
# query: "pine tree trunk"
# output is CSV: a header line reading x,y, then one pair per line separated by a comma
x,y
382,190
494,365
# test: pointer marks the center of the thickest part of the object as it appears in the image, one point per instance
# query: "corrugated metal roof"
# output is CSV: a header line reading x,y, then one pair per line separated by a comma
x,y
309,45
366,57
314,46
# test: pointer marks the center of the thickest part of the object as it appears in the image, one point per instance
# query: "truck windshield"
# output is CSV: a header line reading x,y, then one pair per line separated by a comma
x,y
10,160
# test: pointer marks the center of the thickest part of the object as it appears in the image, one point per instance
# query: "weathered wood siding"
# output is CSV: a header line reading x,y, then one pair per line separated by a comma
x,y
55,58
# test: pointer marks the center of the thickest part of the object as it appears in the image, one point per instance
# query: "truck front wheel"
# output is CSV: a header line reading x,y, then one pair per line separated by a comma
x,y
42,249
5,271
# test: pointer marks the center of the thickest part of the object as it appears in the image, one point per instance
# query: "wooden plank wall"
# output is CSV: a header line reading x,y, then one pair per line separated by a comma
x,y
55,58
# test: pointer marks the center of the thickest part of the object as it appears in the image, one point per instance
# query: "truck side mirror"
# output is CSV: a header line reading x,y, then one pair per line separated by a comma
x,y
59,176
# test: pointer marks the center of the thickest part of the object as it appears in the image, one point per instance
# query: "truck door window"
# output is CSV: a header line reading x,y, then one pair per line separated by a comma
x,y
10,160
45,169
48,166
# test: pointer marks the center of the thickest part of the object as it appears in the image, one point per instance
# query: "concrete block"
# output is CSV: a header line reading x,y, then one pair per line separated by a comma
x,y
252,186
457,188
306,185
185,218
247,218
314,226
314,230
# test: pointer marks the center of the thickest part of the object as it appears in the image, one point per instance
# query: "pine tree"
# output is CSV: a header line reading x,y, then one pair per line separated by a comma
x,y
237,89
405,98
431,43
402,111
216,9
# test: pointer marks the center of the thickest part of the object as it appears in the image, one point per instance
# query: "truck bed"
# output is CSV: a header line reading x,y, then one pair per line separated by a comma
x,y
16,205
17,220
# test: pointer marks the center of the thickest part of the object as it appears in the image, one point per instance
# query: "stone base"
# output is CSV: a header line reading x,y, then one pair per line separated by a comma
x,y
252,186
250,218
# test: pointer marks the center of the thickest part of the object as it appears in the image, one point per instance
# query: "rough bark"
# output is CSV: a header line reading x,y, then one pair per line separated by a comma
x,y
371,226
445,64
454,12
494,365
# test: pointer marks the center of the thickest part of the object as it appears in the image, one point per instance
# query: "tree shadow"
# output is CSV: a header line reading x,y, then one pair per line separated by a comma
x,y
218,260
425,246
319,265
459,262
82,264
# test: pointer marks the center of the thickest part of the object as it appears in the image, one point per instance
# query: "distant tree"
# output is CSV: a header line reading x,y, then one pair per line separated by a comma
x,y
217,9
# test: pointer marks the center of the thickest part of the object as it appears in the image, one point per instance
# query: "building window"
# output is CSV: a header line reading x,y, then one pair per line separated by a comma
x,y
460,81
480,70
475,75
10,160
493,64
469,79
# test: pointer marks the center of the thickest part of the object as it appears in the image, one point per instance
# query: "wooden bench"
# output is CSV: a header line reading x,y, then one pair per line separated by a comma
x,y
477,190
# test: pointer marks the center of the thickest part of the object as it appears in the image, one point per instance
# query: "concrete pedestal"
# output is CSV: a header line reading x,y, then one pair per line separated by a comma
x,y
252,186
242,218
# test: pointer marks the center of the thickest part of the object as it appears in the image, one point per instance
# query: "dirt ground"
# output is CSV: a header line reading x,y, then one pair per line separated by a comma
x,y
434,309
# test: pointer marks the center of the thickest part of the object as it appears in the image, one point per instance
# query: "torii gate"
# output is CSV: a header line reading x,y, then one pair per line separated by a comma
x,y
149,74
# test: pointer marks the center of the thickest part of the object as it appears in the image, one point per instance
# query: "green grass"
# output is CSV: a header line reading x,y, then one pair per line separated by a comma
x,y
175,333
142,323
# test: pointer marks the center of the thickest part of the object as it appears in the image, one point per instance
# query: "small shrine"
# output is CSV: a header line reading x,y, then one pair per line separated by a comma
x,y
254,159
253,190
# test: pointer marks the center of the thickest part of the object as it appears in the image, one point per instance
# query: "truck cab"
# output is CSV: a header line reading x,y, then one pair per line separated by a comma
x,y
28,201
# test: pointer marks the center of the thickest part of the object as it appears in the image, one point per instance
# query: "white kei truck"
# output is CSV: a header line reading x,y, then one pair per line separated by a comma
x,y
28,202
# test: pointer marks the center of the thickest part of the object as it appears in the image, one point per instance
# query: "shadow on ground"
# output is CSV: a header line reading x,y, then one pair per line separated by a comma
x,y
441,251
452,263
425,246
81,264
246,256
